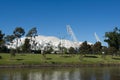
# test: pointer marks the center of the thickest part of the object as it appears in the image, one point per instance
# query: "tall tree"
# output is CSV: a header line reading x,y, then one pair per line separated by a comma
x,y
18,33
113,38
2,42
1,38
8,40
32,34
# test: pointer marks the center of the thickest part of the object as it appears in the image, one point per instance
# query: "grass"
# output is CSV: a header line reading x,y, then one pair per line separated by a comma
x,y
55,58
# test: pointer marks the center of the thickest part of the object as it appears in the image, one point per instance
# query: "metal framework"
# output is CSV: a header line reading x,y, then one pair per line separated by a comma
x,y
97,38
71,33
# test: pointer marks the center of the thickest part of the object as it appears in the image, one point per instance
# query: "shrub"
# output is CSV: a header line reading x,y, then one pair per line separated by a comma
x,y
0,57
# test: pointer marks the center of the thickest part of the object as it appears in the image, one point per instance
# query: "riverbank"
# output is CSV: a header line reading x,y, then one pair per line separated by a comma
x,y
55,60
59,65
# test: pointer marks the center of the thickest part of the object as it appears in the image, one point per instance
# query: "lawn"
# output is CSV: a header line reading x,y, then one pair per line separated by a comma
x,y
56,58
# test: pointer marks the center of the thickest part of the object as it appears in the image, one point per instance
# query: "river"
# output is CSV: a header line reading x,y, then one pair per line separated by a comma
x,y
82,73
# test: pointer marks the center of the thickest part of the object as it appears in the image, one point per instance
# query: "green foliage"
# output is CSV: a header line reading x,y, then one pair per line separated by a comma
x,y
72,50
48,48
112,50
61,48
26,46
0,57
1,35
9,38
113,38
18,32
3,48
64,50
32,32
97,47
85,48
1,38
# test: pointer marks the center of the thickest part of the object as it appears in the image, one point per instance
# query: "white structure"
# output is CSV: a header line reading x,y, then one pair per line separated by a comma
x,y
71,33
41,42
75,42
97,38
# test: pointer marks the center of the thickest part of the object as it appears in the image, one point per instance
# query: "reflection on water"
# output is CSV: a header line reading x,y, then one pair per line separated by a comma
x,y
87,73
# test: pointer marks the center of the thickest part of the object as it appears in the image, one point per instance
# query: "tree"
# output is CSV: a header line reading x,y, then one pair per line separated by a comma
x,y
1,38
97,47
72,50
9,38
112,50
85,48
113,38
65,51
48,48
61,48
32,33
2,42
9,41
26,46
18,33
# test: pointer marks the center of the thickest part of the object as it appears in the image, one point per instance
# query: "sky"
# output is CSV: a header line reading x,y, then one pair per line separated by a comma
x,y
50,17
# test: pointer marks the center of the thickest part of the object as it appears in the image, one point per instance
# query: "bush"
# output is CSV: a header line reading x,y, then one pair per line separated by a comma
x,y
0,57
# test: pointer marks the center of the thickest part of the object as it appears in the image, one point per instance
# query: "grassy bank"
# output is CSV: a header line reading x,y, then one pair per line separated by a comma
x,y
57,59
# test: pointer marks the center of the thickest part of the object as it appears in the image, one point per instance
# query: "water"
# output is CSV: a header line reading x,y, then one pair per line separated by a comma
x,y
87,73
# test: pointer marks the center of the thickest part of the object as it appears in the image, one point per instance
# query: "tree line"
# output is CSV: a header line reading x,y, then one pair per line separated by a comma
x,y
18,32
111,37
